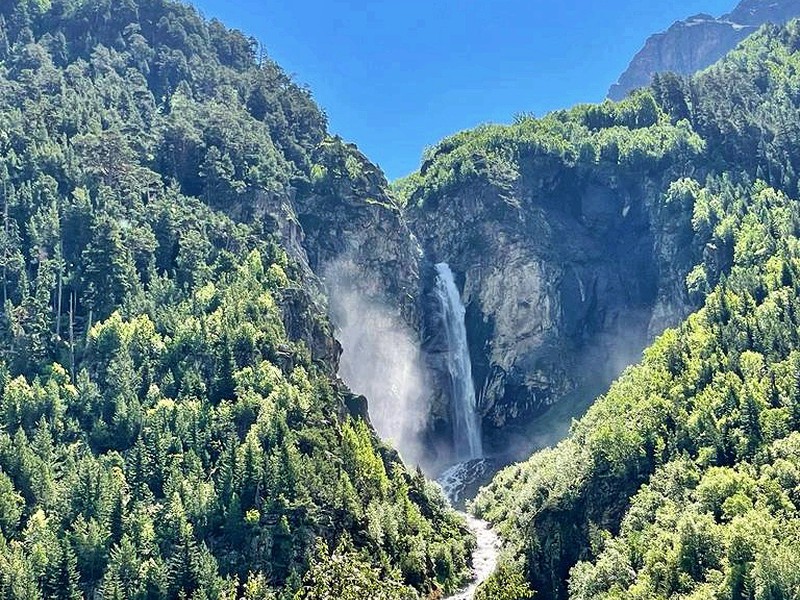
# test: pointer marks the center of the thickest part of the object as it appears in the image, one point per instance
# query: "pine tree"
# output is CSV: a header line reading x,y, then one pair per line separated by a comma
x,y
61,580
116,515
751,423
182,566
108,273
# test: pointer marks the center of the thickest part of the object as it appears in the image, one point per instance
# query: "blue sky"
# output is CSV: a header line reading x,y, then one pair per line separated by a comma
x,y
395,76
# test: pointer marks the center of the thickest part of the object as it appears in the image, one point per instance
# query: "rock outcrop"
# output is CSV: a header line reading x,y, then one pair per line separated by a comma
x,y
355,234
555,295
699,41
563,278
344,228
363,263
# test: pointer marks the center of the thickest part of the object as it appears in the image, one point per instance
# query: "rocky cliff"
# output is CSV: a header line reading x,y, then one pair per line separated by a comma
x,y
565,257
362,264
559,299
699,41
543,283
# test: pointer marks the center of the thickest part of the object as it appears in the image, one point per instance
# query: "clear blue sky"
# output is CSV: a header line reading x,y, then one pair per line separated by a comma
x,y
395,76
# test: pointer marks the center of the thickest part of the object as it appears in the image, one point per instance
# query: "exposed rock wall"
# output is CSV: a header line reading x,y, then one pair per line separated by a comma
x,y
565,274
564,278
345,230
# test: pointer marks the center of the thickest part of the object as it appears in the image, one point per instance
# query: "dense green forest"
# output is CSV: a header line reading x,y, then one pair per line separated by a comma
x,y
170,421
683,480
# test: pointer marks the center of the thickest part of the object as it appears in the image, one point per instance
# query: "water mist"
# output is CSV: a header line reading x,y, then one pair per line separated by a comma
x,y
381,359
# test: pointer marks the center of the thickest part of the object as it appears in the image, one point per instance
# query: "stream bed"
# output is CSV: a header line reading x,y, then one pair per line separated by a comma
x,y
484,559
459,483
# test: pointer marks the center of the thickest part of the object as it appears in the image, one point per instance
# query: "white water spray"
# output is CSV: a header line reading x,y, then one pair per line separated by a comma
x,y
466,422
381,359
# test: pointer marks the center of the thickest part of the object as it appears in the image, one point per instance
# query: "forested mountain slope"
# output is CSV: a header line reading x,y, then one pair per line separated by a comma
x,y
682,481
170,421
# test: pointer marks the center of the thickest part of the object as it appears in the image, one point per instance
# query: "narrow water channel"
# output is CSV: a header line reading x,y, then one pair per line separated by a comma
x,y
484,559
459,483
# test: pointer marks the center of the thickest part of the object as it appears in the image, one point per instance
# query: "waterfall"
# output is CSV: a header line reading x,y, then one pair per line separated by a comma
x,y
466,422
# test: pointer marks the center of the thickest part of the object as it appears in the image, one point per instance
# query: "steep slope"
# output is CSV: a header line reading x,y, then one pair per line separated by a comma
x,y
565,255
699,41
171,424
679,482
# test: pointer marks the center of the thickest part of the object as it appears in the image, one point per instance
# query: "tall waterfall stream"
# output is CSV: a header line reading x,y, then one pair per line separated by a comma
x,y
466,422
467,444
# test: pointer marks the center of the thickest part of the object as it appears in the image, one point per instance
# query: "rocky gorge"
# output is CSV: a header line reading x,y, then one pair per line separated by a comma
x,y
567,260
566,271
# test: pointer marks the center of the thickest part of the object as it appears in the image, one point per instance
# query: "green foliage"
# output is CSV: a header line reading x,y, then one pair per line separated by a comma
x,y
684,450
633,138
342,575
506,583
681,481
163,432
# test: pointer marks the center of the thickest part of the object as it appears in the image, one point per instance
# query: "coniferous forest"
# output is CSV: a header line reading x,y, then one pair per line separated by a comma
x,y
171,426
172,422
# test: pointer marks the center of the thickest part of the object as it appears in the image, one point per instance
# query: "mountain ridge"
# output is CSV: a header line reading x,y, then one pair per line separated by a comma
x,y
697,42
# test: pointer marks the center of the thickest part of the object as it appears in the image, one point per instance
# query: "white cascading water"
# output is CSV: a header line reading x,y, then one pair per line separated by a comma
x,y
466,422
467,444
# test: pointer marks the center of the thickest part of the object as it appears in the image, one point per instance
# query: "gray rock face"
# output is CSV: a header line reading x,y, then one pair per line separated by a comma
x,y
345,226
349,232
350,225
757,12
564,275
699,41
563,285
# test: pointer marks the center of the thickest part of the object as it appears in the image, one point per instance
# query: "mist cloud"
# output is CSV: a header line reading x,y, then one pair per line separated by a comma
x,y
381,360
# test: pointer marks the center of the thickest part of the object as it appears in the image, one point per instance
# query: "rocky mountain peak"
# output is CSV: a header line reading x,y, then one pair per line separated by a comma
x,y
699,41
757,12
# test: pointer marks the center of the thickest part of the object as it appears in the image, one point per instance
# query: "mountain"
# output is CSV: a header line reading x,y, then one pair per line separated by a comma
x,y
699,41
171,420
213,311
564,254
680,481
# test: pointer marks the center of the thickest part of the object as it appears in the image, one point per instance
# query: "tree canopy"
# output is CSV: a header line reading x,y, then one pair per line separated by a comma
x,y
170,421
